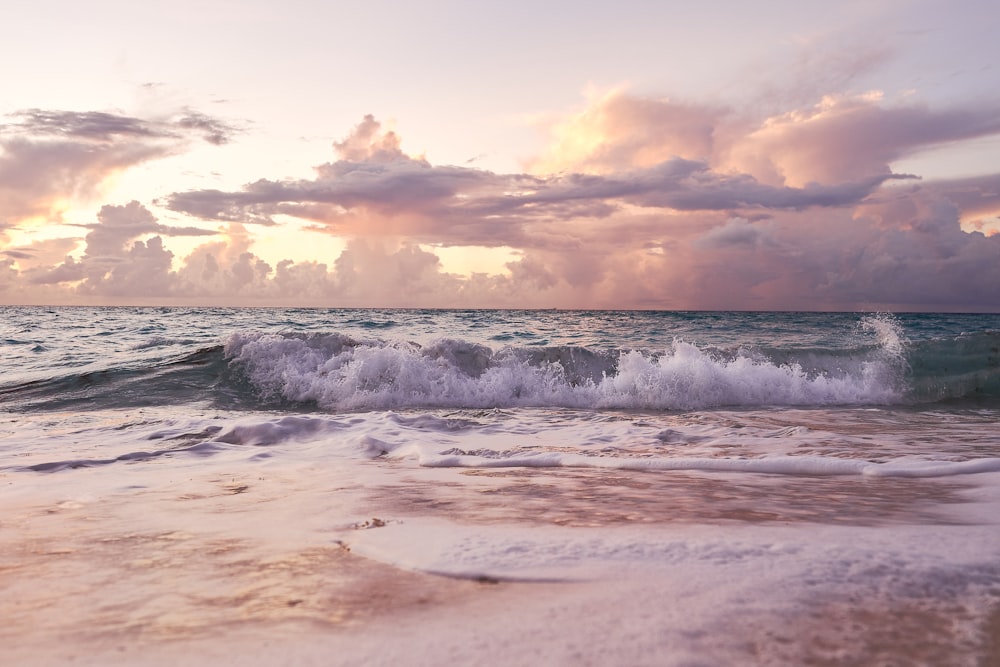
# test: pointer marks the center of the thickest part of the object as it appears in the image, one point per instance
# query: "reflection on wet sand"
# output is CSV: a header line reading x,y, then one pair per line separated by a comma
x,y
77,585
163,574
594,498
937,631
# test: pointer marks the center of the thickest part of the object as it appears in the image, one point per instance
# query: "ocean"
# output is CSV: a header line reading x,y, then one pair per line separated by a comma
x,y
480,487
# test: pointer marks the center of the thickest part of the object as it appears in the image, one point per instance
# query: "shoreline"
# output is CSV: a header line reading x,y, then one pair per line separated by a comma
x,y
391,616
228,570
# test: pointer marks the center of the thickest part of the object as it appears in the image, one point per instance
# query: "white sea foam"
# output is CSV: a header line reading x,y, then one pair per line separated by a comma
x,y
510,552
665,589
339,373
811,466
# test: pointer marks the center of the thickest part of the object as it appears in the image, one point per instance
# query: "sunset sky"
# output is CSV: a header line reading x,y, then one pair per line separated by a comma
x,y
713,155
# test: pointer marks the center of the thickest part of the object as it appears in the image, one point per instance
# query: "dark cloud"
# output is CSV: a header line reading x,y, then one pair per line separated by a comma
x,y
101,126
213,130
976,195
913,256
67,272
708,191
92,125
456,205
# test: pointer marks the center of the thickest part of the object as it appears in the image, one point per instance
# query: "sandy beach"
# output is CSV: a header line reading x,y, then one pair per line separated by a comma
x,y
213,570
311,496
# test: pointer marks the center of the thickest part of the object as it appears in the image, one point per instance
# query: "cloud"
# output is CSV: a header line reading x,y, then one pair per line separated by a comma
x,y
224,267
213,130
115,262
698,188
96,126
48,157
618,132
842,138
377,190
10,278
41,253
105,127
392,274
117,225
657,205
367,143
975,196
909,256
737,232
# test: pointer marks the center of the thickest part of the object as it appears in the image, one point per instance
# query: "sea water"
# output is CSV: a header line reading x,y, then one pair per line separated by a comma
x,y
498,487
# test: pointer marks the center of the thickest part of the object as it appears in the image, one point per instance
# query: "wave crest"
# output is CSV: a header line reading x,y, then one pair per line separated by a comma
x,y
337,372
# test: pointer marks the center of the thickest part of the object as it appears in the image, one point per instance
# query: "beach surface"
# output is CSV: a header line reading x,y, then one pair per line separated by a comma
x,y
302,566
306,487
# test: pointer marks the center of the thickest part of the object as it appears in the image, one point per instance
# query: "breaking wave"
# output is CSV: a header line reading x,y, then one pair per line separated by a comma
x,y
337,372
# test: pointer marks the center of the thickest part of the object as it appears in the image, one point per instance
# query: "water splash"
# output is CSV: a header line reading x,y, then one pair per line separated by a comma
x,y
336,372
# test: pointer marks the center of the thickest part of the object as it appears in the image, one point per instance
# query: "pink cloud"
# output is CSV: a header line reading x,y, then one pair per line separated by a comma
x,y
618,132
842,139
387,193
661,205
50,157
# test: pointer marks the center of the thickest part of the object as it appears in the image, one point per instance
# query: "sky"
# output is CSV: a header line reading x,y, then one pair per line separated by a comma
x,y
719,155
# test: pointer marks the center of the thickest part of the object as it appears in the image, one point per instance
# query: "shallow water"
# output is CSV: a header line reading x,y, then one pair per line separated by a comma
x,y
694,488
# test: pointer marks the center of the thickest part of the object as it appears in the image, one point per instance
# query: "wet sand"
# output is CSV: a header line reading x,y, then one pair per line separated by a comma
x,y
136,595
574,497
196,601
237,570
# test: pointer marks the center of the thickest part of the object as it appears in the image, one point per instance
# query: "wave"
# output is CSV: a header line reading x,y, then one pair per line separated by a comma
x,y
337,372
424,438
811,466
180,379
966,366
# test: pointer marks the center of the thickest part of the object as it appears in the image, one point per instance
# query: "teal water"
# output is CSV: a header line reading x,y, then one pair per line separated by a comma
x,y
703,377
357,359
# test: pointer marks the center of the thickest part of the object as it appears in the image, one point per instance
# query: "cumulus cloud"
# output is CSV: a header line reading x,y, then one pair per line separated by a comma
x,y
639,202
617,131
116,261
117,225
125,260
375,189
368,143
979,194
737,232
842,138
